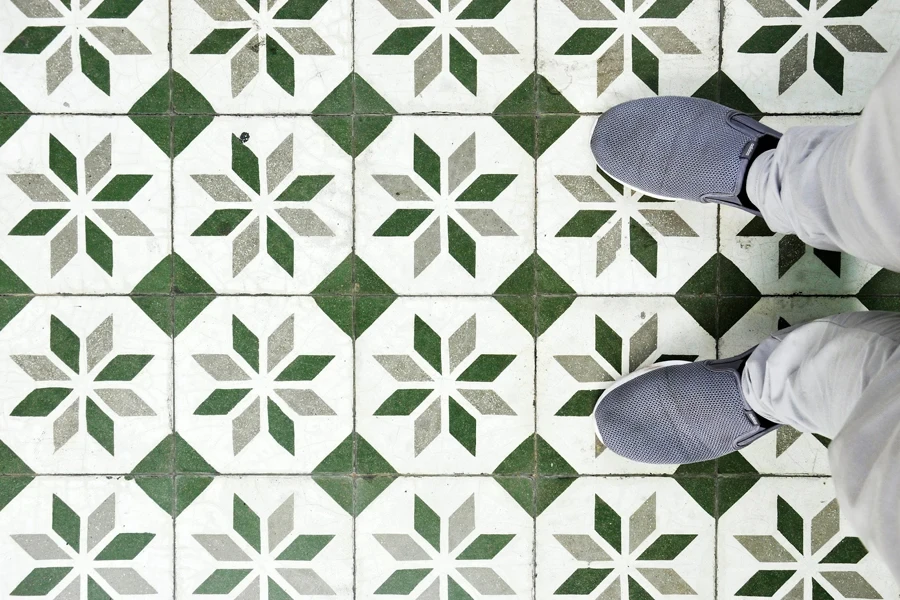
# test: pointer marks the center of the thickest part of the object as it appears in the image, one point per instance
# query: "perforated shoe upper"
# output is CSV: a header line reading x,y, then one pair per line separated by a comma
x,y
677,147
678,414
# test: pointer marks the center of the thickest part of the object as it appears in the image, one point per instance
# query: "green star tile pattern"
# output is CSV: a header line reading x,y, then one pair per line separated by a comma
x,y
458,55
262,57
96,56
803,524
624,537
327,291
667,47
89,211
806,55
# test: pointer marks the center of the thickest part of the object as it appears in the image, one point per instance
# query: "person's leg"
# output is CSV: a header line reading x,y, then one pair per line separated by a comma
x,y
840,377
836,188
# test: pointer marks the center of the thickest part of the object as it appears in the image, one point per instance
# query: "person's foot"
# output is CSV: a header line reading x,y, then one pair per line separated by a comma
x,y
679,148
679,412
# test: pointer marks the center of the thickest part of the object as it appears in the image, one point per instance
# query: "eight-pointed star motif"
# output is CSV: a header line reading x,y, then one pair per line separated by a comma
x,y
82,557
460,562
98,21
831,561
87,375
272,199
651,26
79,199
647,560
604,212
441,203
263,37
444,47
264,542
446,378
815,35
269,383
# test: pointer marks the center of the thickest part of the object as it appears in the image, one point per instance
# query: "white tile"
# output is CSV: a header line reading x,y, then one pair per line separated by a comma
x,y
446,70
460,409
781,75
87,385
296,224
286,536
276,63
626,49
68,536
108,189
292,369
615,537
431,533
470,215
782,533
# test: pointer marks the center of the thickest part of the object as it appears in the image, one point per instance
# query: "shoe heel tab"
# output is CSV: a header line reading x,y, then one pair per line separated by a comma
x,y
750,126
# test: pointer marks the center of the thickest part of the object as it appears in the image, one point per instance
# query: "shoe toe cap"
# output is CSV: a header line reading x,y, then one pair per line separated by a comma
x,y
674,415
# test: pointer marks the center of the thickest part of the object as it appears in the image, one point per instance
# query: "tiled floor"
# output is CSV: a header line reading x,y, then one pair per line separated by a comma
x,y
312,298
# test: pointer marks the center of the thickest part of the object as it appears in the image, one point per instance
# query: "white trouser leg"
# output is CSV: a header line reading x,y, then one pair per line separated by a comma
x,y
838,188
840,377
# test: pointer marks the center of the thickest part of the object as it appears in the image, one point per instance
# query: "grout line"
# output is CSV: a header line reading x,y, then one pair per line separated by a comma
x,y
454,296
716,482
355,477
718,303
174,501
535,481
393,114
354,446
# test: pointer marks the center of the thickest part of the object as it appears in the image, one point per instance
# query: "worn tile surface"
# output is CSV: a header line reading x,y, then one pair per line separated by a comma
x,y
313,298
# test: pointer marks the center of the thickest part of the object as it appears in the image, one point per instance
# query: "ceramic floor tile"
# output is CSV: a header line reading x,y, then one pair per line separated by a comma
x,y
87,385
96,56
282,56
605,238
444,205
85,204
599,53
444,538
263,385
445,386
593,343
613,538
787,538
458,55
85,537
263,205
800,57
264,538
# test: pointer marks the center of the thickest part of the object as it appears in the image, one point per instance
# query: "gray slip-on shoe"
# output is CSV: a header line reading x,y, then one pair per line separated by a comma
x,y
679,148
678,412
